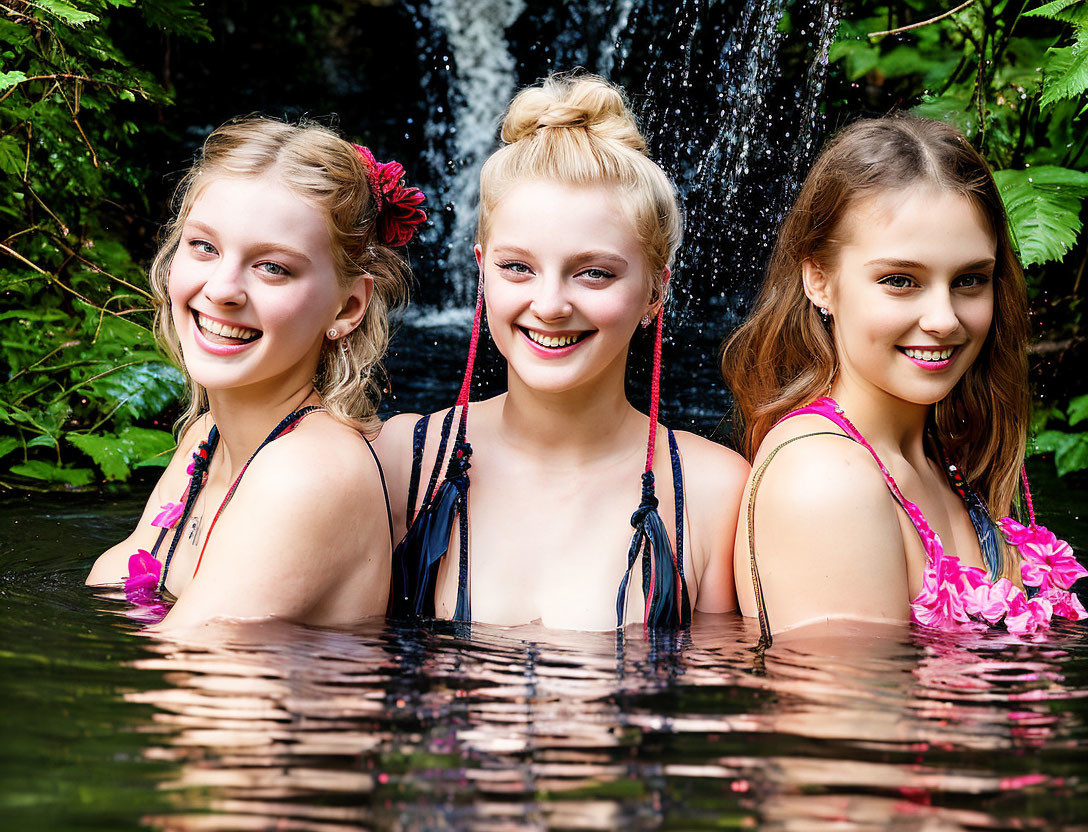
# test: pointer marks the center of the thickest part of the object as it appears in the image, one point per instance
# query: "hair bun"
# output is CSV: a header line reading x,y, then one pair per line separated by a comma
x,y
573,102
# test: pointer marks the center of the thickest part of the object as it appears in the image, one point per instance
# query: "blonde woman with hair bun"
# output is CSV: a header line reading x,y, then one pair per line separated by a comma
x,y
271,287
577,230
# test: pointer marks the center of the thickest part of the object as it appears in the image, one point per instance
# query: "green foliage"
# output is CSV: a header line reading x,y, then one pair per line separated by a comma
x,y
1012,75
1044,206
82,378
1070,448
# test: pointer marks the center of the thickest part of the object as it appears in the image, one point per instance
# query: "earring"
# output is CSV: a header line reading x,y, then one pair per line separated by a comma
x,y
333,334
825,315
645,321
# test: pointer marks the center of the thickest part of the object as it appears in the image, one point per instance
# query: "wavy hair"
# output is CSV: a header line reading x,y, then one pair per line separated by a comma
x,y
327,172
783,356
578,129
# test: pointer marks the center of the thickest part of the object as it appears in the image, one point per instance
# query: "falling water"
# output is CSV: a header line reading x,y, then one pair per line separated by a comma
x,y
728,119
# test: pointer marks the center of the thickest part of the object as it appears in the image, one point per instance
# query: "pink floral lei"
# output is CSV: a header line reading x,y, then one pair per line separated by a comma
x,y
956,596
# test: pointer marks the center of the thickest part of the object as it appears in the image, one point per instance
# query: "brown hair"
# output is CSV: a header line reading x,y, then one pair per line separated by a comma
x,y
579,130
328,173
783,356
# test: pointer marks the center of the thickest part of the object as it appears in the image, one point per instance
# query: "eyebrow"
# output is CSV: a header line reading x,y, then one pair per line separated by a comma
x,y
986,262
276,247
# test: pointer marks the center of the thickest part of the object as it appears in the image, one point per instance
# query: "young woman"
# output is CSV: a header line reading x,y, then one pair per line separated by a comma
x,y
271,291
881,384
577,229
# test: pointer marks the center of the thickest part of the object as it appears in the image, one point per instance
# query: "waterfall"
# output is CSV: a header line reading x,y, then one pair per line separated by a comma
x,y
707,80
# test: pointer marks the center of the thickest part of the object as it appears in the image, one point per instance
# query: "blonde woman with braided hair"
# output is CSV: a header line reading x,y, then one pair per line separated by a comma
x,y
577,231
272,287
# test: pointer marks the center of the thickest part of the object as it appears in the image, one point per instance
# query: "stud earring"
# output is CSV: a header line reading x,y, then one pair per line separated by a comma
x,y
645,321
825,314
333,334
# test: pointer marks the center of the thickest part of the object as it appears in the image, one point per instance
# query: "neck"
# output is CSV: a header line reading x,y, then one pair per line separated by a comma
x,y
888,423
584,425
245,418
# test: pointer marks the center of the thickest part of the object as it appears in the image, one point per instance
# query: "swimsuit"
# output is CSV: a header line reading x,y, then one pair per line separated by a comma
x,y
147,575
418,556
955,596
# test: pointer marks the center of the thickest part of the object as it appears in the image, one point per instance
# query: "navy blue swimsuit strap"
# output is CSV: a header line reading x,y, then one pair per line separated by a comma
x,y
385,490
678,492
447,423
419,440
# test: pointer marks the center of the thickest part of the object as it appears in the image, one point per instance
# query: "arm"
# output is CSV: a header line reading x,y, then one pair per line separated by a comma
x,y
305,538
829,545
714,478
112,565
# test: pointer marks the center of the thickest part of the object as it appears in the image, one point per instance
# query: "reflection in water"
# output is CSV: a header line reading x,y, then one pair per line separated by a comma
x,y
527,729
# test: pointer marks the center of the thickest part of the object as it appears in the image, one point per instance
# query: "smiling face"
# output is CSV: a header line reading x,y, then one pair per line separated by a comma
x,y
910,292
253,286
565,282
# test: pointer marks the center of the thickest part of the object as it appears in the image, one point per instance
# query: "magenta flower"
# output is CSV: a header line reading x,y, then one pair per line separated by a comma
x,y
1066,604
169,516
940,603
986,600
1026,616
1047,561
141,585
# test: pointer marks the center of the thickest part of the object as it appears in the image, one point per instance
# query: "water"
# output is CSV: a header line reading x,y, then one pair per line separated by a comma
x,y
274,726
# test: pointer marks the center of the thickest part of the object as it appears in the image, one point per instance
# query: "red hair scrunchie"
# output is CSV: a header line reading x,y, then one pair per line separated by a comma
x,y
398,206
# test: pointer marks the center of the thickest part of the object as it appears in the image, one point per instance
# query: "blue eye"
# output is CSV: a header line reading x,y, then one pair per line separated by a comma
x,y
897,281
202,246
274,269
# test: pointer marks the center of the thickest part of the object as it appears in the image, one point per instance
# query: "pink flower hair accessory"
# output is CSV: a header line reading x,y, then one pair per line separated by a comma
x,y
399,213
168,517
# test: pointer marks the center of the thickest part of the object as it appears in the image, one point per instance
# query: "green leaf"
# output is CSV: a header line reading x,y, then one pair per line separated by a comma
x,y
1078,410
1043,204
66,12
1066,73
1068,11
10,79
149,447
1048,441
1072,454
11,156
107,453
38,470
7,445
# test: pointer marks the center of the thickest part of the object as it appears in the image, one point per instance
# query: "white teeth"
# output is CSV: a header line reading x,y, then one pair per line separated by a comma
x,y
552,341
930,355
223,330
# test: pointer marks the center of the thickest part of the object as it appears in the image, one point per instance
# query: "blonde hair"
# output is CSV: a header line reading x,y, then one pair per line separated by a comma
x,y
327,172
783,356
579,130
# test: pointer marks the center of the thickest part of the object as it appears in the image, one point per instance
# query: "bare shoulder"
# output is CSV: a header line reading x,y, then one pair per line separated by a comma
x,y
826,532
321,461
827,476
395,437
711,467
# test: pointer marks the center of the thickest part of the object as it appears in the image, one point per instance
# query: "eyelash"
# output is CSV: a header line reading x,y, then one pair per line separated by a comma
x,y
196,245
517,267
979,280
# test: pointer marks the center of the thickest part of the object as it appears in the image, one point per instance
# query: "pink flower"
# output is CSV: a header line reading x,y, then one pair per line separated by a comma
x,y
1026,616
169,516
986,600
1066,604
1047,561
940,603
142,582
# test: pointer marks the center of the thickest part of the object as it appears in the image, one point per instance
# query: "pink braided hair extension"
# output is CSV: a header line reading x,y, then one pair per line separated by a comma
x,y
1027,496
655,391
